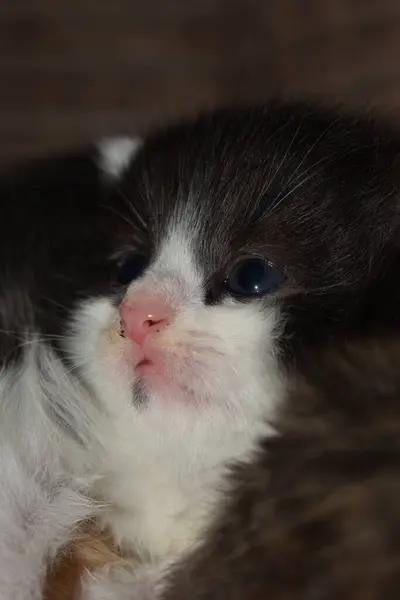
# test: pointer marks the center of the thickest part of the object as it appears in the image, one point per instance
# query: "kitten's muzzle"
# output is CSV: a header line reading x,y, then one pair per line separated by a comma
x,y
142,315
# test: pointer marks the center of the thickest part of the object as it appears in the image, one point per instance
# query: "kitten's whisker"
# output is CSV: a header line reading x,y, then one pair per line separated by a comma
x,y
33,334
280,199
55,303
269,182
30,342
312,147
301,175
119,214
132,208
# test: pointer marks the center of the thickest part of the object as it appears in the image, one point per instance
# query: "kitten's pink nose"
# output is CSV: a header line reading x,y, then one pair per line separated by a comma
x,y
142,317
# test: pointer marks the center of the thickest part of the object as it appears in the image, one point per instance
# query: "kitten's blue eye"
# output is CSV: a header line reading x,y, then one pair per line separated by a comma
x,y
253,276
131,268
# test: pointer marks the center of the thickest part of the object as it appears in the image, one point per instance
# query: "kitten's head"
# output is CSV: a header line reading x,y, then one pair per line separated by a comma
x,y
195,262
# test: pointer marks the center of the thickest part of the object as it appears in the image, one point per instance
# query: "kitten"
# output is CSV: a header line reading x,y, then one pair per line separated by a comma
x,y
317,516
154,294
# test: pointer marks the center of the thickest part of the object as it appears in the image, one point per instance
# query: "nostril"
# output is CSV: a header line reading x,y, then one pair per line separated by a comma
x,y
139,319
155,324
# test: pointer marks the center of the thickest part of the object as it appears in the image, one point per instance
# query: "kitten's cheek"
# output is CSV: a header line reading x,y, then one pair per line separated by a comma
x,y
120,353
114,333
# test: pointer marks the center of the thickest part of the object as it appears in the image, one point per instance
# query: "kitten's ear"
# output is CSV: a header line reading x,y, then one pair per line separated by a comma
x,y
71,178
115,154
102,161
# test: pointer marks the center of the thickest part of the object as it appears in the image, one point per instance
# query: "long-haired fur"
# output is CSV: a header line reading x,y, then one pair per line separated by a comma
x,y
317,517
310,195
39,515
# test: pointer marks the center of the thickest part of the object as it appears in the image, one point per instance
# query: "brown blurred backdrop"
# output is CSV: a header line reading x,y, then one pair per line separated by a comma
x,y
72,70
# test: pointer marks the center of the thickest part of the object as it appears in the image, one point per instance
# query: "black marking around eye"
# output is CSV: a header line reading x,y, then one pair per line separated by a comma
x,y
132,267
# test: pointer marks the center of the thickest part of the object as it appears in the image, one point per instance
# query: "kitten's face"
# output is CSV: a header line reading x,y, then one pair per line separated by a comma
x,y
162,341
181,278
193,320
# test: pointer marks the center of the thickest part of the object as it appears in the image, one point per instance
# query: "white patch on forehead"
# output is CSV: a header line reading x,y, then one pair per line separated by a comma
x,y
175,274
116,154
176,255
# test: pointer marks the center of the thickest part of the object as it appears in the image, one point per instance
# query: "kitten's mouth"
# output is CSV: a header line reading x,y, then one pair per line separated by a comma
x,y
118,332
144,364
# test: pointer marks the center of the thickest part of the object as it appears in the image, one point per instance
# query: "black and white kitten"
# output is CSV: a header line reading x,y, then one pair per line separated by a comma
x,y
154,293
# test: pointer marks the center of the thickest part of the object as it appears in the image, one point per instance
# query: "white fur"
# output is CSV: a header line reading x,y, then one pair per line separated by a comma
x,y
163,464
39,511
116,154
159,467
39,404
41,499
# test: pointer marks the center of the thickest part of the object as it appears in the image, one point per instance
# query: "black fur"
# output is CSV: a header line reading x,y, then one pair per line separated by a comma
x,y
58,232
315,192
317,516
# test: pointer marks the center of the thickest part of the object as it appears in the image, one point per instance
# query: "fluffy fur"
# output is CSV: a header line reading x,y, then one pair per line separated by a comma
x,y
301,188
115,154
318,515
39,514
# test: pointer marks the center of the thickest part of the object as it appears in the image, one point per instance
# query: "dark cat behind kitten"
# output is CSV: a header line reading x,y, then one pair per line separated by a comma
x,y
317,517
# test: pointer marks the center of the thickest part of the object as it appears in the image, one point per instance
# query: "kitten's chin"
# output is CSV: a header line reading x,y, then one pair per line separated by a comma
x,y
157,381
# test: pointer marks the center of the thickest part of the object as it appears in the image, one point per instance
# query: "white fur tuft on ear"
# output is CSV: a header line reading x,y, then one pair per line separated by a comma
x,y
116,154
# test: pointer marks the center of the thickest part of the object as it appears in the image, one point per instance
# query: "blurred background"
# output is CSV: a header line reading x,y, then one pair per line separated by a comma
x,y
74,70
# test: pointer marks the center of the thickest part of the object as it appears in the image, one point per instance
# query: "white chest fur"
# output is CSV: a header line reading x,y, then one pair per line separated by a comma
x,y
164,473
